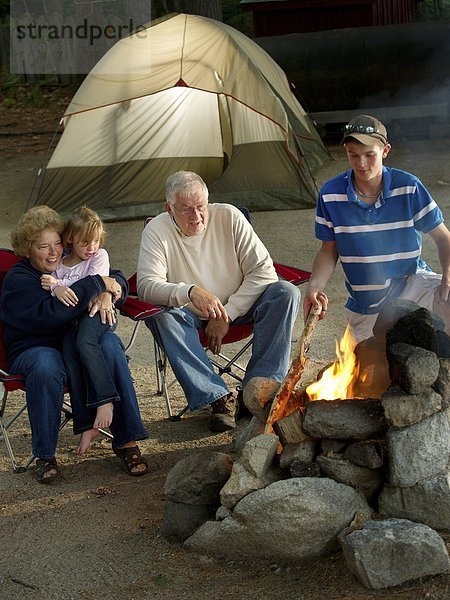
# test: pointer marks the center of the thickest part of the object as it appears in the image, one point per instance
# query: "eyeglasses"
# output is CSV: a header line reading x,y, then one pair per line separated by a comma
x,y
190,210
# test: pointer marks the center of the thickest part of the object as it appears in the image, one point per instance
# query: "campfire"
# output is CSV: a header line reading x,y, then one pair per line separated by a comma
x,y
339,380
375,465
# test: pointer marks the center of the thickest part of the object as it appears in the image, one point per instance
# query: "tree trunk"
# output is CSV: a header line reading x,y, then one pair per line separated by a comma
x,y
204,8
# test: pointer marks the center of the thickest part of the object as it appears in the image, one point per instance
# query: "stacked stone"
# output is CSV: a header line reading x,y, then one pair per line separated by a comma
x,y
418,438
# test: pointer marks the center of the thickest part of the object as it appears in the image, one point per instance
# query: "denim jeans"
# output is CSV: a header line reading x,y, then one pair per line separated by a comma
x,y
126,425
273,316
89,333
45,378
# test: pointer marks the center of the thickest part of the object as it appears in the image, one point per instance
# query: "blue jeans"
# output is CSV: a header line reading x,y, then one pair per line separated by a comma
x,y
126,425
45,378
273,316
89,334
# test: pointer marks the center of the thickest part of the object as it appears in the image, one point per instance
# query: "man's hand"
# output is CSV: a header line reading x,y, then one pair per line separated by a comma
x,y
66,295
47,281
315,298
215,331
104,306
442,293
209,305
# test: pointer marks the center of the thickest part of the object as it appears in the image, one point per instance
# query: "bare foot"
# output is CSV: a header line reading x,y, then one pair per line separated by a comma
x,y
104,416
85,440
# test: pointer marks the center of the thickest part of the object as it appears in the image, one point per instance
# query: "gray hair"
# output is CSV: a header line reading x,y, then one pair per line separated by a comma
x,y
184,183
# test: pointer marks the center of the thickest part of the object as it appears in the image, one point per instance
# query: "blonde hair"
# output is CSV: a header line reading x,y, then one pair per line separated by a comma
x,y
86,222
30,227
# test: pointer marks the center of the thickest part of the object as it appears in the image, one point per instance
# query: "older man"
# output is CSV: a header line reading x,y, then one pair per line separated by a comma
x,y
205,263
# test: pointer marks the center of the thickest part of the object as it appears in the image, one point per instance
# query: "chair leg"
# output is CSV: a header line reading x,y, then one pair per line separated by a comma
x,y
161,363
231,363
67,416
9,450
133,336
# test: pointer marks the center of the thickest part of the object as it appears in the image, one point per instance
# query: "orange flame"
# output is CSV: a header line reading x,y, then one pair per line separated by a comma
x,y
337,381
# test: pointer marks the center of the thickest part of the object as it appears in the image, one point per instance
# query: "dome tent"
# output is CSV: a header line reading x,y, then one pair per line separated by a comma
x,y
183,93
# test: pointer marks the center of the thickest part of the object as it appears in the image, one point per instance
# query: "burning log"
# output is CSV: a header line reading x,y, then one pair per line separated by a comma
x,y
289,428
297,367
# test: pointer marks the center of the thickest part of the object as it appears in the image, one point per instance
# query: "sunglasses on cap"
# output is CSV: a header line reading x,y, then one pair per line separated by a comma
x,y
369,129
364,129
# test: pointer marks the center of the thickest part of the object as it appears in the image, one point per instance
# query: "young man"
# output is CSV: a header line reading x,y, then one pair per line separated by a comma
x,y
206,265
372,218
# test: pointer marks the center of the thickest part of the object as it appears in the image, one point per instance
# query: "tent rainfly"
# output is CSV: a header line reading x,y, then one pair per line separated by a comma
x,y
184,93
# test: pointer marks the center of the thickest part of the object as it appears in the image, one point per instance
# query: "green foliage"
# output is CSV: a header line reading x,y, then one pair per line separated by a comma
x,y
4,9
231,11
13,90
235,17
433,10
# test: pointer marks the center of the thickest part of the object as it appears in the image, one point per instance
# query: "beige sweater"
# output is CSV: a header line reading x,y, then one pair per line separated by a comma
x,y
227,259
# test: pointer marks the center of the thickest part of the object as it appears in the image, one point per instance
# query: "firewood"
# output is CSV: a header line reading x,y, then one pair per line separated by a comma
x,y
296,369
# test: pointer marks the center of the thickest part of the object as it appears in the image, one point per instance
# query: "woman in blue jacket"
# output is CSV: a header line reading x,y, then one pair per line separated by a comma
x,y
39,328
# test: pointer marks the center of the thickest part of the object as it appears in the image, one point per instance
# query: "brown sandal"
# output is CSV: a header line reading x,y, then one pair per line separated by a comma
x,y
131,458
43,466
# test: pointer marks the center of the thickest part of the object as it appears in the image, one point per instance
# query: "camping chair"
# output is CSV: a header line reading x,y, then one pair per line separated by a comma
x,y
11,382
138,311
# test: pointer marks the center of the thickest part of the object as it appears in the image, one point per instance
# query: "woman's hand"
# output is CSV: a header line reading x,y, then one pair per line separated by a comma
x,y
104,306
112,287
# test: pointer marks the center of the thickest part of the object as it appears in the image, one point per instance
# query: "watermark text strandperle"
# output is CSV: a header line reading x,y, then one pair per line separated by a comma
x,y
83,31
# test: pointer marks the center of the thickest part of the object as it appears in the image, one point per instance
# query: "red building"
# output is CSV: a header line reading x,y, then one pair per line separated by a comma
x,y
278,17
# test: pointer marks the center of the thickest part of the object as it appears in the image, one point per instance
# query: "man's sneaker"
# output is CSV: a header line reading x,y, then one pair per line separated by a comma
x,y
224,413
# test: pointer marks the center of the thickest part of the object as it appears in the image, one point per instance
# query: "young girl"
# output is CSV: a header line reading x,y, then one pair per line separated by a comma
x,y
84,236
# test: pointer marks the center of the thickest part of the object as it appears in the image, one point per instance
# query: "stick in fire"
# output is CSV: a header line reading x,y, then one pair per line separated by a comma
x,y
296,369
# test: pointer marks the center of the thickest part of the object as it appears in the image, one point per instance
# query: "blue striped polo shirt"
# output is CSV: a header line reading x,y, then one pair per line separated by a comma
x,y
379,245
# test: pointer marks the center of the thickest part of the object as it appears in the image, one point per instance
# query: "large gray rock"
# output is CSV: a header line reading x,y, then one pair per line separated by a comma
x,y
344,419
392,312
289,520
243,482
198,478
387,553
419,451
259,453
305,451
415,329
365,454
253,428
412,368
181,520
367,481
426,502
442,383
402,409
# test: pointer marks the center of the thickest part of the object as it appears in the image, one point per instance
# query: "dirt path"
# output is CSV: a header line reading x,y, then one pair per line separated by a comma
x,y
98,532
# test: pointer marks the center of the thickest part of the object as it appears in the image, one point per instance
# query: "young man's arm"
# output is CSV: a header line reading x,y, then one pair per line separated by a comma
x,y
441,237
323,268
